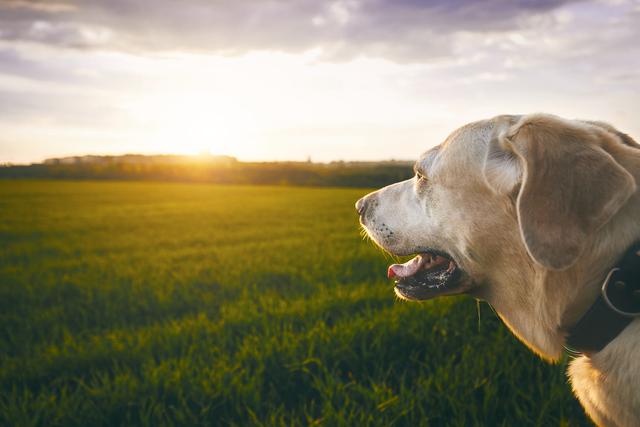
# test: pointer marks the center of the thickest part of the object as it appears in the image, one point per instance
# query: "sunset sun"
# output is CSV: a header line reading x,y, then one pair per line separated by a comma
x,y
194,123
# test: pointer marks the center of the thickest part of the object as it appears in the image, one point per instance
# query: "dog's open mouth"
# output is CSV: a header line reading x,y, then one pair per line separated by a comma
x,y
426,276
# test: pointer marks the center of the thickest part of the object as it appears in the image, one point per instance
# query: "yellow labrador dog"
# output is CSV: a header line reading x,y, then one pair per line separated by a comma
x,y
532,214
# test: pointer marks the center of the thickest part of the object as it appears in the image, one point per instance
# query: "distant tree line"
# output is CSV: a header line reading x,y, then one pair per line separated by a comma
x,y
212,169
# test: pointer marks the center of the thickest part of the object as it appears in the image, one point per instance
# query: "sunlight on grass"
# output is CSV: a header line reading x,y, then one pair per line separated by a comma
x,y
186,304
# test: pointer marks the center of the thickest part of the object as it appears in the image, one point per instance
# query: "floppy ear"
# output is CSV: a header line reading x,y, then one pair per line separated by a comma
x,y
569,186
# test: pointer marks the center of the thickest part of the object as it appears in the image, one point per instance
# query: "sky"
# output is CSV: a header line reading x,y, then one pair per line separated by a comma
x,y
291,80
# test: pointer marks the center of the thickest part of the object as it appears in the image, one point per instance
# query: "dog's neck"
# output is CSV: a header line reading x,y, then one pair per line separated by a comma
x,y
552,301
608,246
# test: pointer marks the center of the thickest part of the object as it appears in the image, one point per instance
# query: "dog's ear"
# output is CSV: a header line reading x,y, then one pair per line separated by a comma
x,y
568,186
502,168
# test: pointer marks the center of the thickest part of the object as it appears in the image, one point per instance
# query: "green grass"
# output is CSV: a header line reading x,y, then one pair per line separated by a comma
x,y
184,304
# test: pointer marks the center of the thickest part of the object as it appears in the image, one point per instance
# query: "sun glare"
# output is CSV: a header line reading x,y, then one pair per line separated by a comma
x,y
192,124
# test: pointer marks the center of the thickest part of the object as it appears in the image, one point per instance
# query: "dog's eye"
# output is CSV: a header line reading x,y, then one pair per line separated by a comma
x,y
420,177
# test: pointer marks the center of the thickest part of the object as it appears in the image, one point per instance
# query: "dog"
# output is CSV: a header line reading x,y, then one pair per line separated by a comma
x,y
528,213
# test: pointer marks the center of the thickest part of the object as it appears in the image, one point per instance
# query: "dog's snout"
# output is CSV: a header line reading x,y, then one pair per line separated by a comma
x,y
361,206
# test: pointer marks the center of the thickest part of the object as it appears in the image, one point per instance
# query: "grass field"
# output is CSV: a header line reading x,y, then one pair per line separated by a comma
x,y
182,304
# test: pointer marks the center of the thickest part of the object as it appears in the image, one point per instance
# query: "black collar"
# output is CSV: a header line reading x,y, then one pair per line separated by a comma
x,y
617,305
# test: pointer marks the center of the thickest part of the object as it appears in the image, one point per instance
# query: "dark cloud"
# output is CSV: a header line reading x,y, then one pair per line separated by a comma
x,y
396,29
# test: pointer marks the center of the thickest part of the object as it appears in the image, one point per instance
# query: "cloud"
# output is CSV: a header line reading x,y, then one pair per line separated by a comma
x,y
402,30
335,79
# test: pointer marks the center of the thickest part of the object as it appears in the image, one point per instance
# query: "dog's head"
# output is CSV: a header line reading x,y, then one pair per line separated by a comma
x,y
500,200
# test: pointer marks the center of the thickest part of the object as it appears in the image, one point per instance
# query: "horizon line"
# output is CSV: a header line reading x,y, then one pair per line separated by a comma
x,y
203,155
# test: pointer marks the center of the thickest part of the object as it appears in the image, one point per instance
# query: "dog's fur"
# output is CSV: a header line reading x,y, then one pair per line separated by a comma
x,y
535,210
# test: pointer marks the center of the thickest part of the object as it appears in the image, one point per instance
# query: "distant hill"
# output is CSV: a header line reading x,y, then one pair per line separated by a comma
x,y
213,169
134,159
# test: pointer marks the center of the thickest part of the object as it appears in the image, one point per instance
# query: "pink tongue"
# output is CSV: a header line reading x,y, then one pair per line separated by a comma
x,y
407,269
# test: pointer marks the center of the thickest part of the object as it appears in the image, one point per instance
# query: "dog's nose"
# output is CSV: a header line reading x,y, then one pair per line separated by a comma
x,y
361,206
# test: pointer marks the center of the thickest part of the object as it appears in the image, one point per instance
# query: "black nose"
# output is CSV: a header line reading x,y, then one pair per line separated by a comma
x,y
361,206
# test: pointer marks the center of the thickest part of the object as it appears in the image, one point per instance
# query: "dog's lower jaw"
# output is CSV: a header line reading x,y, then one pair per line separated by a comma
x,y
607,383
